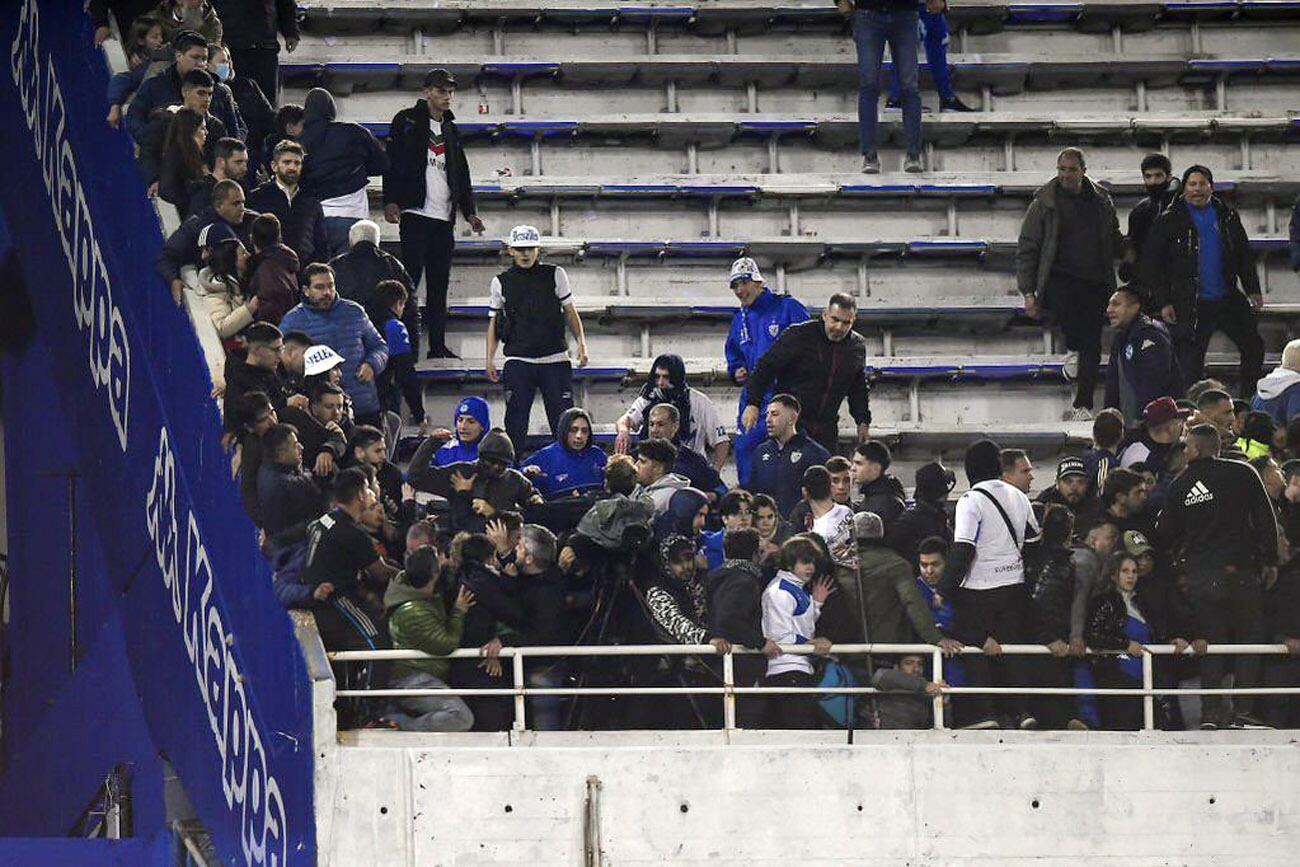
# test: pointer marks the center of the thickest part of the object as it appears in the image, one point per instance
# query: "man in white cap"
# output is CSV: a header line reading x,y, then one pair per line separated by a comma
x,y
530,306
762,316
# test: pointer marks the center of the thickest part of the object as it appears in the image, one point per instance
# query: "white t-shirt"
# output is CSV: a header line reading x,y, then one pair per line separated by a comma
x,y
355,205
706,423
437,191
496,301
836,528
998,561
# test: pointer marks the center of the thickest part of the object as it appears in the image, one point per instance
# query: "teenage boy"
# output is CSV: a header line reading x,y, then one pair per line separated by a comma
x,y
530,305
792,603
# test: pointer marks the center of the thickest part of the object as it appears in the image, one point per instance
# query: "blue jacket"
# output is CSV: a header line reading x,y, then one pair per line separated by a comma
x,y
1278,395
1143,366
778,472
565,471
346,329
755,328
164,89
698,471
711,545
455,451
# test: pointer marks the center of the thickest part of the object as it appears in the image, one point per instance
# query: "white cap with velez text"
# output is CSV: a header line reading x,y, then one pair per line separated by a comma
x,y
745,268
525,236
320,358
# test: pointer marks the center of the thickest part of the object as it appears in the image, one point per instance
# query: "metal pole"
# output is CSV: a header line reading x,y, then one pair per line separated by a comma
x,y
728,697
1148,701
517,675
937,665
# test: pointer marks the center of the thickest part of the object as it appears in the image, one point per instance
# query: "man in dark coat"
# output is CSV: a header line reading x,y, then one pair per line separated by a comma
x,y
426,184
164,89
251,27
1143,365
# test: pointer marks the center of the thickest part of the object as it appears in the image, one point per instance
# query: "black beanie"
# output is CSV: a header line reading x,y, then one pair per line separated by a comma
x,y
934,482
982,461
495,444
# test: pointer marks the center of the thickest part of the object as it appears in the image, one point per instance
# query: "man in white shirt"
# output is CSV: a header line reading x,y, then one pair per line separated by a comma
x,y
700,423
985,575
427,184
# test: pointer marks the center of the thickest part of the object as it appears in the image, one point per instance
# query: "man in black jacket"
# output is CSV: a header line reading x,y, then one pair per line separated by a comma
x,y
477,490
820,362
300,214
1219,517
364,266
182,247
1143,365
258,370
196,95
427,182
1157,175
250,29
288,498
882,492
928,514
164,89
735,612
252,107
1199,273
341,157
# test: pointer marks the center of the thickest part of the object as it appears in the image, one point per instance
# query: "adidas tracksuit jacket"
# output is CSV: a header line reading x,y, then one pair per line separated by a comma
x,y
1218,511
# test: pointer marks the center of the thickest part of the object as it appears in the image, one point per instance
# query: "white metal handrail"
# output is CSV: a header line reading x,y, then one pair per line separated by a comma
x,y
520,691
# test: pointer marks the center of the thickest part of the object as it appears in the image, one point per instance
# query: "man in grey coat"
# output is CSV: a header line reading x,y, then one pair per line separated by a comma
x,y
1065,267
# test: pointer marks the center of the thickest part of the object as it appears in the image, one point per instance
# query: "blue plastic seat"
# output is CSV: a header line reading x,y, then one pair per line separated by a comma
x,y
617,249
1042,13
540,128
705,249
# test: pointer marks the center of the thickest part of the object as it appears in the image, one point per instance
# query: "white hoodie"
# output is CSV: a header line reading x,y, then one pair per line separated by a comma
x,y
1277,382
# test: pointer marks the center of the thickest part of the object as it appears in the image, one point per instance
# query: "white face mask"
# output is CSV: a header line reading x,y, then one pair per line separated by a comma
x,y
223,71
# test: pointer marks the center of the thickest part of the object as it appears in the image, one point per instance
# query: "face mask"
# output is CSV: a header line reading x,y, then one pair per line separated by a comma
x,y
223,71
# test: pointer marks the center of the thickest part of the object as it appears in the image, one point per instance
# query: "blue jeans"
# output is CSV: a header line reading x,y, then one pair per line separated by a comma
x,y
871,32
934,36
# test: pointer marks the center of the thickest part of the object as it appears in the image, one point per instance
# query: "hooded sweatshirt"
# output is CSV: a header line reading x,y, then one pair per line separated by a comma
x,y
563,471
458,450
275,283
417,622
341,156
1275,394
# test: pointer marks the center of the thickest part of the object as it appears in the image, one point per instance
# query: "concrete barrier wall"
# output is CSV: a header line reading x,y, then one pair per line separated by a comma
x,y
909,799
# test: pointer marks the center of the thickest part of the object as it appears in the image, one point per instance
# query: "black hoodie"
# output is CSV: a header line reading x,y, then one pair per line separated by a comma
x,y
885,496
341,156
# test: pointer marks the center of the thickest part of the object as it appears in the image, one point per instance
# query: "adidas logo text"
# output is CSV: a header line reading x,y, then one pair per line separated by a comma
x,y
1198,494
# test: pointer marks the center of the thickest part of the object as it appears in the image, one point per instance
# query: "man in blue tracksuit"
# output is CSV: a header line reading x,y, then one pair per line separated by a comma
x,y
469,423
572,464
762,316
1143,365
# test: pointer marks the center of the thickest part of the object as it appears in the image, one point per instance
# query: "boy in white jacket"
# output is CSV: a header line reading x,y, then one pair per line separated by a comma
x,y
791,606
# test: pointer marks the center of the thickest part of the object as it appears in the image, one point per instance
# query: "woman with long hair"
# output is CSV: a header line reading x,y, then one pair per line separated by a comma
x,y
183,159
224,282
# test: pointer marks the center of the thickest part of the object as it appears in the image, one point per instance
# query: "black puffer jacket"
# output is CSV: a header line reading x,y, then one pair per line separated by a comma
x,y
735,603
1107,614
341,156
358,271
1170,267
918,522
408,155
886,497
1050,575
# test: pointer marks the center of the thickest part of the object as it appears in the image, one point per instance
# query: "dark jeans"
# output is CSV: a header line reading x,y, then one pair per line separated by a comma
x,y
934,36
1227,608
1235,318
522,381
792,711
399,380
825,431
263,66
347,623
872,30
1079,307
427,245
998,613
1052,711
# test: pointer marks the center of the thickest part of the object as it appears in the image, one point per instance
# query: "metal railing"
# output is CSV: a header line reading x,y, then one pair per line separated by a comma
x,y
728,690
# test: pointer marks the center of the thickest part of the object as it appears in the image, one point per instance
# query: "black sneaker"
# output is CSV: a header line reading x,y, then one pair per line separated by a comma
x,y
954,104
893,105
442,352
1249,721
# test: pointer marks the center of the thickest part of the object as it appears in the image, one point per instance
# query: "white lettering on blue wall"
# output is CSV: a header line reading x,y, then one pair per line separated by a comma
x,y
98,316
250,791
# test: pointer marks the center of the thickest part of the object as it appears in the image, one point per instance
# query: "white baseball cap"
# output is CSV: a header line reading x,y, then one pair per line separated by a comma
x,y
745,268
525,236
320,358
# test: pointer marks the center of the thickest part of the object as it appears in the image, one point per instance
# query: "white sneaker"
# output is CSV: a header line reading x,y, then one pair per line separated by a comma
x,y
912,164
870,164
1070,369
1077,413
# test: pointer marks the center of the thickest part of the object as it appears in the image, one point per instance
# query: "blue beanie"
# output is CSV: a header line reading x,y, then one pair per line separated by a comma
x,y
476,408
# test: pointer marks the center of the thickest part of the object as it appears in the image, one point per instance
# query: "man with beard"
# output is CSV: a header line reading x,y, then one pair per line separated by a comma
x,y
1157,175
819,362
571,465
1143,365
1071,491
477,490
301,219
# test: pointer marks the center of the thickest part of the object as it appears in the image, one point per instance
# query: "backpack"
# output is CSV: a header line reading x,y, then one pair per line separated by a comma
x,y
839,708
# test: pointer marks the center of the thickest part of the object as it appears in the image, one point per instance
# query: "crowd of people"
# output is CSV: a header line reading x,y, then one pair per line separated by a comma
x,y
1176,526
